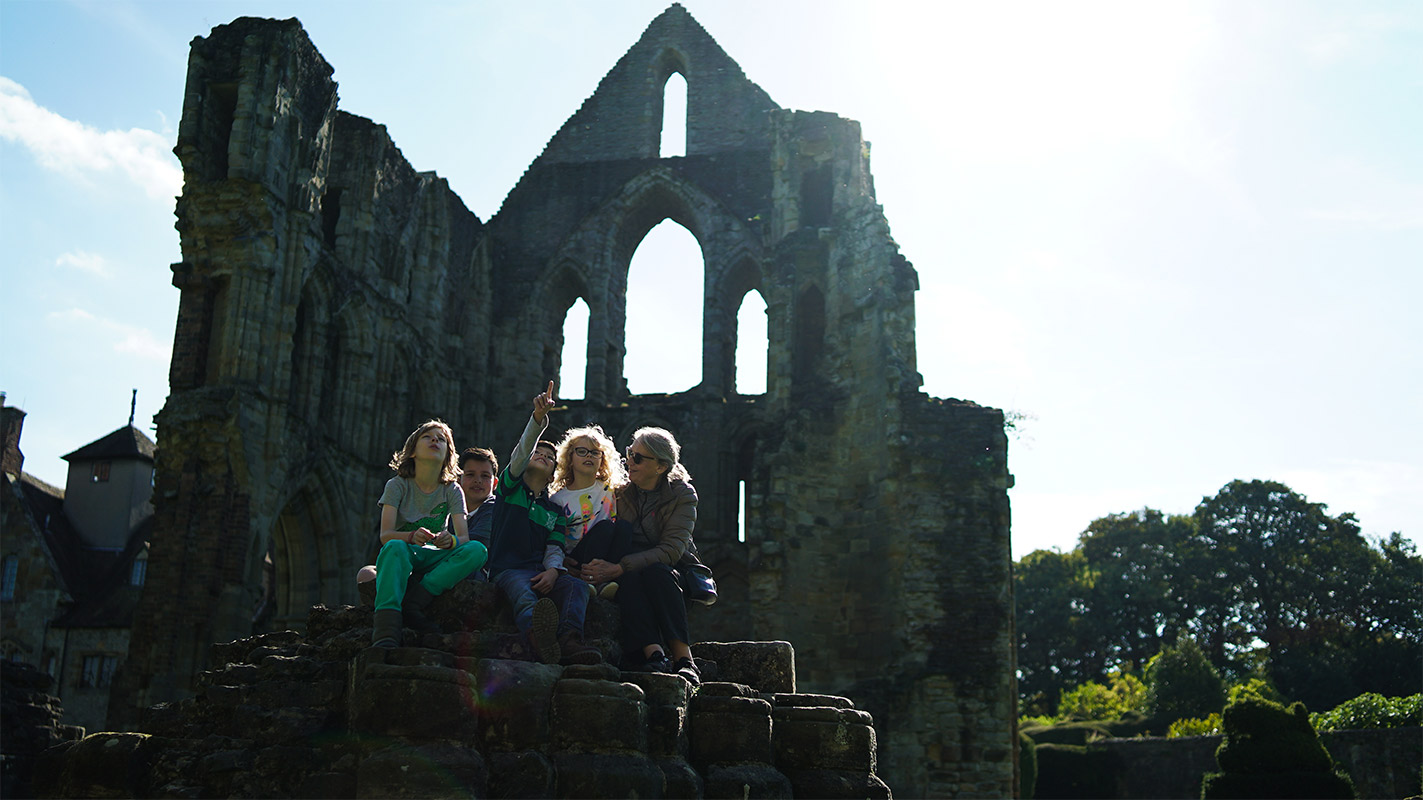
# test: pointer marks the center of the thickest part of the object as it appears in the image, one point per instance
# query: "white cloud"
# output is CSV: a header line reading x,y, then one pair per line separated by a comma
x,y
73,148
92,263
126,338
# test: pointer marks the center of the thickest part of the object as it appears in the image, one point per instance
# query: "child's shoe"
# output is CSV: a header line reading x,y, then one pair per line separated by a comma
x,y
608,590
386,628
687,668
658,662
544,631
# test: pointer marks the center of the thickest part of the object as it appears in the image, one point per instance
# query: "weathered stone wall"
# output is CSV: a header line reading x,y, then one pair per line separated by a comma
x,y
877,533
322,318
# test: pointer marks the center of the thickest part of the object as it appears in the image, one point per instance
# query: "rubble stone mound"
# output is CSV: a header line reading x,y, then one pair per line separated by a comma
x,y
31,724
466,713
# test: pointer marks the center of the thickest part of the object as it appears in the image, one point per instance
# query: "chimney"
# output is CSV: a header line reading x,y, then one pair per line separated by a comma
x,y
11,421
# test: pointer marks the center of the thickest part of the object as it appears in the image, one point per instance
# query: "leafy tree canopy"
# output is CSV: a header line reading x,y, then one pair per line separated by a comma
x,y
1268,583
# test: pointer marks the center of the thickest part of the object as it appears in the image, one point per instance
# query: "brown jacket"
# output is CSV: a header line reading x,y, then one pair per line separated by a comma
x,y
662,521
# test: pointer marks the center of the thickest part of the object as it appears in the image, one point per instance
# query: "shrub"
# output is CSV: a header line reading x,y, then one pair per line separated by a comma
x,y
1254,687
1371,710
1074,733
1066,770
1268,751
1027,765
1193,726
1124,694
1183,682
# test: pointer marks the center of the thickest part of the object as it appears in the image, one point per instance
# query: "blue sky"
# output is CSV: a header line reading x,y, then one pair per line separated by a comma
x,y
1184,239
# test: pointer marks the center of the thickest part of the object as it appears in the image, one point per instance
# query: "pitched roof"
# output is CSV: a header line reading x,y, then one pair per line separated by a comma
x,y
126,442
97,581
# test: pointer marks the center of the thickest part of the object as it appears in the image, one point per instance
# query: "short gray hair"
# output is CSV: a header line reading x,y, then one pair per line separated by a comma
x,y
663,446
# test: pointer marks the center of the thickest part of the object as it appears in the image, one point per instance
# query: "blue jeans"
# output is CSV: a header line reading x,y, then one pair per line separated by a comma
x,y
569,594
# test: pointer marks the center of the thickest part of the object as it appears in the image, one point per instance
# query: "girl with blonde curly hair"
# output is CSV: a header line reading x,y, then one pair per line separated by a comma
x,y
584,483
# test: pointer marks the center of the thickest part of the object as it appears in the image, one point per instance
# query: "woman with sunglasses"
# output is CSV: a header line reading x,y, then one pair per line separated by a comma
x,y
660,506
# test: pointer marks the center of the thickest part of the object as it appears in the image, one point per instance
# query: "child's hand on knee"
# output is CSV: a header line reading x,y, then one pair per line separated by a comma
x,y
543,582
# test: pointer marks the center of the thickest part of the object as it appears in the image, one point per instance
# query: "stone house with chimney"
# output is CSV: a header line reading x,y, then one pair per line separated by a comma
x,y
73,561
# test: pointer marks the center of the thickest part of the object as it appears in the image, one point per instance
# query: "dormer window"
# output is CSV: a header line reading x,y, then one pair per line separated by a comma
x,y
101,472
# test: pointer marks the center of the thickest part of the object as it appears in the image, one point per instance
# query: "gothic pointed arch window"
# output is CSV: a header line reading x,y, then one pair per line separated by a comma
x,y
673,142
573,365
752,344
665,291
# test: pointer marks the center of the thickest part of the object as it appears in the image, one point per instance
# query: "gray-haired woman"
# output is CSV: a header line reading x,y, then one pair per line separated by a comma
x,y
660,505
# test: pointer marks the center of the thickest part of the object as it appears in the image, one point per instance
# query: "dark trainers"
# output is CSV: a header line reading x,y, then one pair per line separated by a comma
x,y
544,631
658,662
687,668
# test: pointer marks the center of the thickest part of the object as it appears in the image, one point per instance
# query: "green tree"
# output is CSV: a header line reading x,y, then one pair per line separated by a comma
x,y
1278,564
1054,648
1267,582
1134,565
1182,682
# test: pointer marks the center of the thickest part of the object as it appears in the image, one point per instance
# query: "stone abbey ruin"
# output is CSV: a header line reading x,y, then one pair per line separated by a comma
x,y
317,267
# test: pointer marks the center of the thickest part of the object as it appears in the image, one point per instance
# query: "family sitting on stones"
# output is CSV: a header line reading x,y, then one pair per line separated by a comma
x,y
558,514
421,499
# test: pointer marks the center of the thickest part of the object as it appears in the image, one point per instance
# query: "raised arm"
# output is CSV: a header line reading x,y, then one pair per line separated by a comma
x,y
538,421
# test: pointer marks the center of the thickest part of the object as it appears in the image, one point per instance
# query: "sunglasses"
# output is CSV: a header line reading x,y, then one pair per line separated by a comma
x,y
638,458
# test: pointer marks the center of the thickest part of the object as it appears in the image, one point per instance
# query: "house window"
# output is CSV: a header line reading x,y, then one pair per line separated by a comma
x,y
98,671
140,571
9,571
101,471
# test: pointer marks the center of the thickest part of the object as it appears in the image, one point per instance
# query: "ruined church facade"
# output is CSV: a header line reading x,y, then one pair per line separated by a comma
x,y
332,298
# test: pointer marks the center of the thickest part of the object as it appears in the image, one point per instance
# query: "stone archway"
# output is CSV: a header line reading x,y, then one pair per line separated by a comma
x,y
306,559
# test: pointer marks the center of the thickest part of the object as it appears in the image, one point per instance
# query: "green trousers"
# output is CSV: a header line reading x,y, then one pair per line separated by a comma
x,y
442,568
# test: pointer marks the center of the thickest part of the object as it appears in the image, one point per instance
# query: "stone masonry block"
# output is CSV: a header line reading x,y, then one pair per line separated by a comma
x,y
513,698
437,769
808,741
765,666
737,731
747,781
523,774
599,717
827,783
606,775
